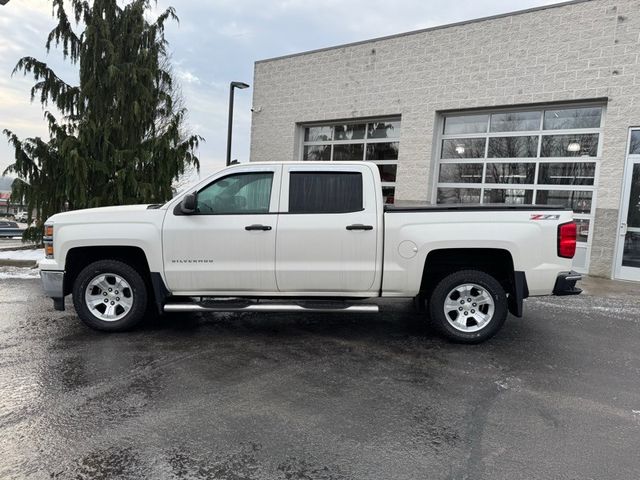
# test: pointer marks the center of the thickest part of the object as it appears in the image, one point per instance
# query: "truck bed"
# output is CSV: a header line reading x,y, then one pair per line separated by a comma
x,y
461,207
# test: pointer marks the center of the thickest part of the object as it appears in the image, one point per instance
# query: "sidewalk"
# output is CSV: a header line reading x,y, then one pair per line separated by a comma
x,y
604,287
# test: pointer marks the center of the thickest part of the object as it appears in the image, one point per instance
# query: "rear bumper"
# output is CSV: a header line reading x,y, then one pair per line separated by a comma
x,y
53,286
566,284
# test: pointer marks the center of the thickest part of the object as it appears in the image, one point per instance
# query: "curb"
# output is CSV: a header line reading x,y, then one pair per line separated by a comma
x,y
20,247
7,262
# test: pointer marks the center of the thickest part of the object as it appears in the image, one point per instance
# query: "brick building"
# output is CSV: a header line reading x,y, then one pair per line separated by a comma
x,y
537,106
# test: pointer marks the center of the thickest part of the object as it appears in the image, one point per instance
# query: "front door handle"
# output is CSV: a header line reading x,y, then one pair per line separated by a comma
x,y
359,226
257,227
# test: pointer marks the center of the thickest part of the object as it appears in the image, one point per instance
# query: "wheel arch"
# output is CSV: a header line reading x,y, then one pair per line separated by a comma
x,y
79,257
496,262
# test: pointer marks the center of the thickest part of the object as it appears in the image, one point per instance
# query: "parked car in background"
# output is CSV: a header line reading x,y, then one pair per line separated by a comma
x,y
21,217
10,229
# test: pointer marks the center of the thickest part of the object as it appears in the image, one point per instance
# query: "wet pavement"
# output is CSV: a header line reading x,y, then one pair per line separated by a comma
x,y
271,396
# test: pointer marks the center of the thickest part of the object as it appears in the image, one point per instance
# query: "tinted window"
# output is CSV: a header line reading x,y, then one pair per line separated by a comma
x,y
348,151
572,118
241,193
383,151
515,121
460,173
317,152
458,195
387,172
325,192
513,147
349,132
508,196
318,134
577,173
384,129
634,147
463,148
580,145
466,124
510,172
578,201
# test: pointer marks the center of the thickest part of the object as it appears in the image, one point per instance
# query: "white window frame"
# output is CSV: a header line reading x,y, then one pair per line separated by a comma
x,y
534,187
364,141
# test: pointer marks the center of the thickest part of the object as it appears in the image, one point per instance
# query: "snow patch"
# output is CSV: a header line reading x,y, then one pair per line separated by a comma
x,y
19,273
33,254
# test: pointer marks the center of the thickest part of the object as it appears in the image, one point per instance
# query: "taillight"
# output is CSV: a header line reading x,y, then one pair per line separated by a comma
x,y
567,234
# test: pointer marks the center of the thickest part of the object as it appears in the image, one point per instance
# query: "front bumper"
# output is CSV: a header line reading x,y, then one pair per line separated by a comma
x,y
566,284
53,286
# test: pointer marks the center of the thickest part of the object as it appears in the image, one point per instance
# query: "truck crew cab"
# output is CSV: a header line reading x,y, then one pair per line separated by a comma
x,y
302,237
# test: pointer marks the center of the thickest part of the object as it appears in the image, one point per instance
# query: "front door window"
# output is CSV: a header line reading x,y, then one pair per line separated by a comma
x,y
240,193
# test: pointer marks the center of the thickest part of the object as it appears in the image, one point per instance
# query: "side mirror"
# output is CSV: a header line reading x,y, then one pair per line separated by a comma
x,y
188,203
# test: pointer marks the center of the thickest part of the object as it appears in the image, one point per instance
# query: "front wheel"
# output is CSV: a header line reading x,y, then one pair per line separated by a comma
x,y
468,306
110,295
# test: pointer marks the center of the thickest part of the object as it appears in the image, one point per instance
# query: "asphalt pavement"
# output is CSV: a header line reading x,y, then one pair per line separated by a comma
x,y
555,395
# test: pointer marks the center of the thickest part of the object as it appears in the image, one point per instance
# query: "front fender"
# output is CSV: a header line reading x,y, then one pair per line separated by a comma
x,y
145,236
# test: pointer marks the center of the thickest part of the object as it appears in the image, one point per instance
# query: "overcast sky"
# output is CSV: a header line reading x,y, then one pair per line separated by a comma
x,y
216,42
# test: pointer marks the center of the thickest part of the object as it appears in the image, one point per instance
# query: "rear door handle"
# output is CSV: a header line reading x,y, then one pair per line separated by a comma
x,y
257,227
359,226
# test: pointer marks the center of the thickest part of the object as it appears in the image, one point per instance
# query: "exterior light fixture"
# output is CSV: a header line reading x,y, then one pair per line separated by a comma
x,y
459,149
232,87
574,147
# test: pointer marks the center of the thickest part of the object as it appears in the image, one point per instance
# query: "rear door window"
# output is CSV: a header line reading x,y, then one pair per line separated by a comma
x,y
325,192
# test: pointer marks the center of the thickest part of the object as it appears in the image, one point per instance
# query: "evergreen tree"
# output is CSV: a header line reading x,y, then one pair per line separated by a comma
x,y
122,137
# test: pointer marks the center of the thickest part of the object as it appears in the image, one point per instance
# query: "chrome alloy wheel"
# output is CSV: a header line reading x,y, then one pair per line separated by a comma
x,y
109,297
469,307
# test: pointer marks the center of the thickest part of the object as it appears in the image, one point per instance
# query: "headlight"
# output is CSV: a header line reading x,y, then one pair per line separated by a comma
x,y
48,241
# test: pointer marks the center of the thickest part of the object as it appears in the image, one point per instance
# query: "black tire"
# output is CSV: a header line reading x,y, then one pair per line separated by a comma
x,y
137,292
443,321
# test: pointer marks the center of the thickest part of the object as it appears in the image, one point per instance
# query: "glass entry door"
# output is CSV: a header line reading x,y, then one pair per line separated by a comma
x,y
628,265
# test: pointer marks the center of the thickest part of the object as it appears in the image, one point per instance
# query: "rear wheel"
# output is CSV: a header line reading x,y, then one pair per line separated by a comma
x,y
109,295
468,306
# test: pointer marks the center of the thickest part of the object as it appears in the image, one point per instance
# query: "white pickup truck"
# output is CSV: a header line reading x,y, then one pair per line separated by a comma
x,y
298,237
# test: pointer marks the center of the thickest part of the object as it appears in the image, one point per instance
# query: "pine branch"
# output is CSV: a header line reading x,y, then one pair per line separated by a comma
x,y
64,34
49,85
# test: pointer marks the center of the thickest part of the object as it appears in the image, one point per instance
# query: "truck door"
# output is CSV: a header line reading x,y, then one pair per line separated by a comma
x,y
328,231
228,244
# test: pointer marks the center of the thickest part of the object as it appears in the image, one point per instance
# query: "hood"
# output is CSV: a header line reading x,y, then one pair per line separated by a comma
x,y
101,214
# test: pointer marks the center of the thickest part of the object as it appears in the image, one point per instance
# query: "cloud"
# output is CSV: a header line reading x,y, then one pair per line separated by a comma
x,y
216,42
236,31
187,76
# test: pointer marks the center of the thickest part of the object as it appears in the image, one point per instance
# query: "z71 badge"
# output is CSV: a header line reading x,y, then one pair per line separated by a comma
x,y
540,216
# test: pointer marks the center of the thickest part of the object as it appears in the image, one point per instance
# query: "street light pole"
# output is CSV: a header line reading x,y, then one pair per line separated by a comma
x,y
232,86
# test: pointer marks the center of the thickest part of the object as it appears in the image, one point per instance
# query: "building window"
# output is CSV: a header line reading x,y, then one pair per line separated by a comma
x,y
634,145
376,141
545,156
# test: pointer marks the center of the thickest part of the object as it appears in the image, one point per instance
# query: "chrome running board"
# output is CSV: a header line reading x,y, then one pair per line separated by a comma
x,y
270,307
